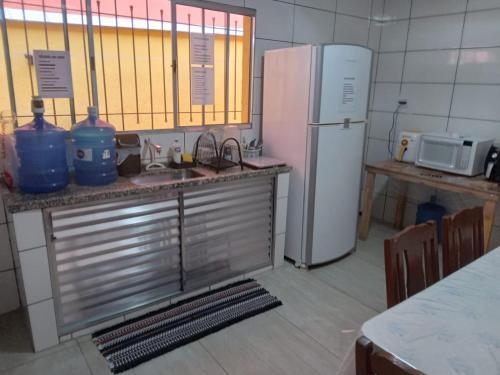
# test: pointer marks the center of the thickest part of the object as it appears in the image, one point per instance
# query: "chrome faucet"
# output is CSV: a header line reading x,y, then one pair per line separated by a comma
x,y
153,149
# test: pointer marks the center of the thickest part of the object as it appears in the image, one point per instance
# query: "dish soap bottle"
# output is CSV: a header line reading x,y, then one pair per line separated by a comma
x,y
176,151
41,150
94,154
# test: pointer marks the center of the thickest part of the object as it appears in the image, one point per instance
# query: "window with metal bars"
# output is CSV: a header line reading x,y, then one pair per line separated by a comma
x,y
139,61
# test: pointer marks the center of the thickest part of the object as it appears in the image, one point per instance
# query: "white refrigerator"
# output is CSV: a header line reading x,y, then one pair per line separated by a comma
x,y
315,102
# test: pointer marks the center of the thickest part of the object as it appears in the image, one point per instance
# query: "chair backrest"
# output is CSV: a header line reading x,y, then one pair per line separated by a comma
x,y
372,361
411,262
463,238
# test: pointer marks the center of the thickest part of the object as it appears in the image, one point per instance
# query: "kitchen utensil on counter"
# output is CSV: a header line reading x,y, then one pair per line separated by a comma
x,y
251,153
41,149
408,146
492,164
205,148
262,162
176,152
128,151
224,163
153,149
8,149
94,151
251,150
208,154
11,163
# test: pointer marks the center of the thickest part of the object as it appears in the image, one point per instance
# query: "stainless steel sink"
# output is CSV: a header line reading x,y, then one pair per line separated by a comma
x,y
182,174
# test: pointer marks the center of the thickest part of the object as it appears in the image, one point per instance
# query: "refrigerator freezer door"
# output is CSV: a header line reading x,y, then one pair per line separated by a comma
x,y
342,83
333,195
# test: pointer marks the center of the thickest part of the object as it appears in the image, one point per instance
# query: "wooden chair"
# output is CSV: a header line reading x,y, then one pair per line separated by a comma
x,y
411,262
463,239
372,361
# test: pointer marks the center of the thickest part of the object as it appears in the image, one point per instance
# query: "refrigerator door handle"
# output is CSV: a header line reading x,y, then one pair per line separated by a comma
x,y
347,123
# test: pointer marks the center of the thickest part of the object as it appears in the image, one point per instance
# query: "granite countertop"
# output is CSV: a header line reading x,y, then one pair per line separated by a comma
x,y
17,201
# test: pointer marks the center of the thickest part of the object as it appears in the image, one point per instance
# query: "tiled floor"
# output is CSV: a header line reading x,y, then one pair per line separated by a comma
x,y
322,311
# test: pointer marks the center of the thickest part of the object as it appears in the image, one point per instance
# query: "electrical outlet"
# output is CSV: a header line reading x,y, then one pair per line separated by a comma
x,y
402,101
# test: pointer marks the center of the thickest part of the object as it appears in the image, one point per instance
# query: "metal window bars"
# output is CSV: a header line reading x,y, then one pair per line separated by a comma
x,y
107,19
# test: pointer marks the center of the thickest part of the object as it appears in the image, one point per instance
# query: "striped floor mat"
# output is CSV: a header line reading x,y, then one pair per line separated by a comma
x,y
138,340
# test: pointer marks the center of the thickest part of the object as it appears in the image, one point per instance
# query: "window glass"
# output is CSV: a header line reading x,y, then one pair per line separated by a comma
x,y
240,57
34,26
133,49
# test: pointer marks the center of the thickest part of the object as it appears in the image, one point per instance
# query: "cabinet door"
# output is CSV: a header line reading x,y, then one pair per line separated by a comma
x,y
110,258
227,230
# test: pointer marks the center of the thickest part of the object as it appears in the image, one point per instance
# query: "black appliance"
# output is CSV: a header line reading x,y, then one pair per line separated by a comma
x,y
128,152
492,164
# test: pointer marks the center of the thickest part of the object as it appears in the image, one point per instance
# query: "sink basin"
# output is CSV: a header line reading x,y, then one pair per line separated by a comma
x,y
181,174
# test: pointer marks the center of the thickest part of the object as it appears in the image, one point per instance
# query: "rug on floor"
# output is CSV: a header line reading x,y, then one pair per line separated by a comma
x,y
138,340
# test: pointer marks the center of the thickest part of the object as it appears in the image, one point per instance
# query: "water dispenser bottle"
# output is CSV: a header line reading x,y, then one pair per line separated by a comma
x,y
41,149
94,151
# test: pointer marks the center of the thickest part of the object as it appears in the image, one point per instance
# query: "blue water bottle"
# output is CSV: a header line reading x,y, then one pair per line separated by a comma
x,y
41,150
94,155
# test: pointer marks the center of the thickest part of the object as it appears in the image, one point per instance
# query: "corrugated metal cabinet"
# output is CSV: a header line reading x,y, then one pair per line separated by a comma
x,y
227,230
115,257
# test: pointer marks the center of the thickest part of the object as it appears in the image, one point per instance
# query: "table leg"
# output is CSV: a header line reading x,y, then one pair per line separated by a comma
x,y
401,205
489,218
367,205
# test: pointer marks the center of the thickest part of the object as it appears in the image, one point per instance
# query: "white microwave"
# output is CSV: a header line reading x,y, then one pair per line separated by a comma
x,y
453,153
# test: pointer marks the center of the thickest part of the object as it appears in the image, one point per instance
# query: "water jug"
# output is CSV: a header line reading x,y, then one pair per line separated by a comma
x,y
94,151
41,150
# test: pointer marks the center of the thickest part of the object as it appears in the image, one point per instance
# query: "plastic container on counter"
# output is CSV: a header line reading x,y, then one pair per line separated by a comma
x,y
41,150
94,151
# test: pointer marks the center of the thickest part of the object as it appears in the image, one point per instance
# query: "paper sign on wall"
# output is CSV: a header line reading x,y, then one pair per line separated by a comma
x,y
202,86
202,49
53,73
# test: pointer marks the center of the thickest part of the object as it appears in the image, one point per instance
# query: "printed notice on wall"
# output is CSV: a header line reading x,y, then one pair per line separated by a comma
x,y
202,49
202,86
53,73
348,103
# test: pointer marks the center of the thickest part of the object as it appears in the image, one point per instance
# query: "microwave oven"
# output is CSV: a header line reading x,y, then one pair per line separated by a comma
x,y
453,153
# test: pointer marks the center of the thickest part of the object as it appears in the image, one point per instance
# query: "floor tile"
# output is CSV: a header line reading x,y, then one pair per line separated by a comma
x,y
269,344
63,362
190,359
357,278
15,342
95,361
371,251
329,316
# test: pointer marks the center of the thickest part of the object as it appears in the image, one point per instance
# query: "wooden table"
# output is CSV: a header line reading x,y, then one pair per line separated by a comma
x,y
476,186
449,328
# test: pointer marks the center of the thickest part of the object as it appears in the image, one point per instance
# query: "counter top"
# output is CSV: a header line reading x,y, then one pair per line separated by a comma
x,y
449,328
74,194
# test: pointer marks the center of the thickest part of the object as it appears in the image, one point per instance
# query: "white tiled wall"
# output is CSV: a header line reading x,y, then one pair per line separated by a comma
x,y
443,56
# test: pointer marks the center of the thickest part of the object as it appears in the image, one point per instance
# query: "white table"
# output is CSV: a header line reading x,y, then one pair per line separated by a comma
x,y
453,327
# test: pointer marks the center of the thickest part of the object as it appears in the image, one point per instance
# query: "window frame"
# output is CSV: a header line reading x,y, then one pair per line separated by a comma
x,y
227,9
91,34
